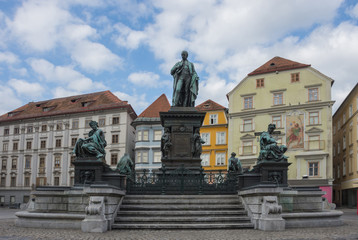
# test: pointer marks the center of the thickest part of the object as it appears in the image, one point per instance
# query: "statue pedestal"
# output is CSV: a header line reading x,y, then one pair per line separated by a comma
x,y
182,123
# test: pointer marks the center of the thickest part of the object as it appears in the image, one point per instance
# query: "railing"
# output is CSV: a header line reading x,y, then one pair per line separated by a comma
x,y
183,181
314,145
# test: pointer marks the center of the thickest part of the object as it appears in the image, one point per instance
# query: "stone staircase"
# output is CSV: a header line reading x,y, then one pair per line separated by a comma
x,y
181,212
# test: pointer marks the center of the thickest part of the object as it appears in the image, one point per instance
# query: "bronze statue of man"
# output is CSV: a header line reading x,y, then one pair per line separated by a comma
x,y
186,83
269,150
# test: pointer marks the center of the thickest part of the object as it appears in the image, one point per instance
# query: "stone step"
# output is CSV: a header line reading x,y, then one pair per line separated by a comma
x,y
180,219
183,213
181,201
181,196
182,226
182,207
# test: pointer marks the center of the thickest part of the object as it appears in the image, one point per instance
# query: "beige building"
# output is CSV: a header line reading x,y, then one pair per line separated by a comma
x,y
37,139
297,98
345,153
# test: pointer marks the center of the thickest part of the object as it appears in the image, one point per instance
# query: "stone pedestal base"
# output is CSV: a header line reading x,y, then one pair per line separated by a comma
x,y
94,225
88,171
182,123
273,224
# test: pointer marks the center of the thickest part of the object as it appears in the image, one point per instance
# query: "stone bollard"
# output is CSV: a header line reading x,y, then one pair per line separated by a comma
x,y
95,220
271,219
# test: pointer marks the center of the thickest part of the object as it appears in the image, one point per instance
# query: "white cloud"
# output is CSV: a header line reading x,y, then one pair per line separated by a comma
x,y
8,57
12,101
59,92
145,79
137,101
22,87
64,75
353,11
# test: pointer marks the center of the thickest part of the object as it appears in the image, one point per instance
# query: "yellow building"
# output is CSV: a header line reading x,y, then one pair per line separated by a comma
x,y
297,98
214,133
345,151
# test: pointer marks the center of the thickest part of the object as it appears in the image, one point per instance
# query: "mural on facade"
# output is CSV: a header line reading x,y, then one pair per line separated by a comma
x,y
294,131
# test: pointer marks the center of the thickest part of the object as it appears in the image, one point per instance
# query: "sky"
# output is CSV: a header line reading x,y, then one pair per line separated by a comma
x,y
57,48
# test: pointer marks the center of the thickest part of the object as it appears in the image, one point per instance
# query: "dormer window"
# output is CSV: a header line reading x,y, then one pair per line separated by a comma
x,y
207,105
11,114
86,104
47,109
74,100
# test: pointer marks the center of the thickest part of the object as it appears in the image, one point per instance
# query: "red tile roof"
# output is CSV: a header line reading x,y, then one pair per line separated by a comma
x,y
159,105
68,105
277,64
209,105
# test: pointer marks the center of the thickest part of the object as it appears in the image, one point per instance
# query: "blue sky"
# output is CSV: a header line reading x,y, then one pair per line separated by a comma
x,y
57,48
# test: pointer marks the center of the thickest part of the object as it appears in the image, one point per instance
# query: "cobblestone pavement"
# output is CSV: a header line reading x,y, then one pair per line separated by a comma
x,y
9,231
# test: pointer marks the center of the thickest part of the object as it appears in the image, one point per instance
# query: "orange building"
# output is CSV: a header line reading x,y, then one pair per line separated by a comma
x,y
214,132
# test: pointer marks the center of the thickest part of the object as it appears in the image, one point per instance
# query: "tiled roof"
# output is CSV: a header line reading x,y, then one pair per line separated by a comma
x,y
209,105
159,105
68,105
278,64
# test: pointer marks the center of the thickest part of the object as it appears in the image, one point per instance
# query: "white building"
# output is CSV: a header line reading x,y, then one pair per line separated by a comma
x,y
36,140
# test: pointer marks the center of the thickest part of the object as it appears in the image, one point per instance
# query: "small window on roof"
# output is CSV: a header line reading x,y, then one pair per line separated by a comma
x,y
47,109
272,64
86,104
74,100
207,105
38,105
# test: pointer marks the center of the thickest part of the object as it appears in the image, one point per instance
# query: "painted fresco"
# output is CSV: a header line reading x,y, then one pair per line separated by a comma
x,y
294,131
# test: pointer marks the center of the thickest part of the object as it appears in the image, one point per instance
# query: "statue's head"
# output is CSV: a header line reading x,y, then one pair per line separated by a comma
x,y
271,127
184,55
93,124
233,154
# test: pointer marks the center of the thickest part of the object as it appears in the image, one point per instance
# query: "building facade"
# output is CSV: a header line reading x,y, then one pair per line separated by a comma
x,y
345,151
149,132
214,132
37,140
297,98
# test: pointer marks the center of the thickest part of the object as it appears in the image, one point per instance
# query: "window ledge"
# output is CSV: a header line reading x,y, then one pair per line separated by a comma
x,y
313,101
247,109
278,105
311,125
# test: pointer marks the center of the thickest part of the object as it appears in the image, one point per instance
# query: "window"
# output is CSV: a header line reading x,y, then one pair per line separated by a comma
x,y
73,158
277,121
43,128
350,164
27,162
313,118
145,157
5,147
206,138
3,181
28,145
247,147
59,126
30,129
338,148
220,159
312,94
27,181
247,126
42,162
350,137
205,159
213,119
57,161
115,120
334,130
75,124
102,122
58,142
87,122
338,171
56,181
248,102
3,164
295,77
15,146
139,135
142,157
13,182
157,135
350,111
16,130
334,150
6,131
344,167
73,141
41,181
43,144
260,83
278,98
344,142
114,159
14,163
115,138
220,138
12,199
344,119
145,135
157,155
339,124
313,169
